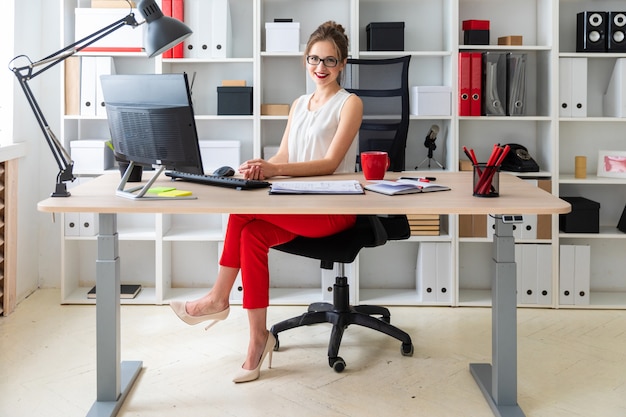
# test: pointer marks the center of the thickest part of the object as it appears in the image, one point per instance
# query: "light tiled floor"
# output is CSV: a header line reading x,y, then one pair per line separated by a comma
x,y
571,363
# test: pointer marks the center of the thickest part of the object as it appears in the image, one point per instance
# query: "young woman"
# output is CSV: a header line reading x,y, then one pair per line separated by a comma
x,y
319,140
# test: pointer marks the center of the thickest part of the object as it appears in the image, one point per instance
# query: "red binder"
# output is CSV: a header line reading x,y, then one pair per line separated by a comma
x,y
464,83
166,8
178,12
476,83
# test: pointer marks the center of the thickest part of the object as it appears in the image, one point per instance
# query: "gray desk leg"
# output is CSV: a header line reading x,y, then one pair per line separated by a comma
x,y
498,381
114,378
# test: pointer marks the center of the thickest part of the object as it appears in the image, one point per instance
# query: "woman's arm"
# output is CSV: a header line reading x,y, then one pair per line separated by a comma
x,y
349,124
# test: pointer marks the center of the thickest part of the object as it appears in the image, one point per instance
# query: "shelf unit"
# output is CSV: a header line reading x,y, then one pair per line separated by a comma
x,y
175,256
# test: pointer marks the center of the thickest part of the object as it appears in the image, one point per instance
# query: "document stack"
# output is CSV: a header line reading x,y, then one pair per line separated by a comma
x,y
424,224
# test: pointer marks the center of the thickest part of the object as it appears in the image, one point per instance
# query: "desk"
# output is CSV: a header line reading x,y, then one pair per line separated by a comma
x,y
497,381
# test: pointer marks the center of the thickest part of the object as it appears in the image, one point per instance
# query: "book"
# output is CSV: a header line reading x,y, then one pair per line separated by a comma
x,y
127,291
316,187
405,186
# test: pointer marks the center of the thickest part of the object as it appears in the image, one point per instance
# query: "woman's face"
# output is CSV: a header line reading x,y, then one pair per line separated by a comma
x,y
320,60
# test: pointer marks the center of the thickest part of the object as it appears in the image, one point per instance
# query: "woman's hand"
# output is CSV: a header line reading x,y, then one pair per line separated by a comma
x,y
257,169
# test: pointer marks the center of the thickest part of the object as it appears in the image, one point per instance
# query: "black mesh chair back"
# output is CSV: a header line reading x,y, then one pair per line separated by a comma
x,y
383,86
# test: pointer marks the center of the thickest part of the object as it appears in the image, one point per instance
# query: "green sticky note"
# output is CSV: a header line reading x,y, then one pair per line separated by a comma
x,y
174,193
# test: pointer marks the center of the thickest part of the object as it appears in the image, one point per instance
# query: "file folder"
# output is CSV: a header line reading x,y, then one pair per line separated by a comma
x,y
566,274
426,272
614,99
544,274
516,84
178,12
464,83
166,8
582,274
105,65
221,32
476,84
198,17
88,86
494,83
573,87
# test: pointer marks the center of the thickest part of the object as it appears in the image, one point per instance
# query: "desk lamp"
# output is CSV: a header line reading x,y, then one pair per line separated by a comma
x,y
162,33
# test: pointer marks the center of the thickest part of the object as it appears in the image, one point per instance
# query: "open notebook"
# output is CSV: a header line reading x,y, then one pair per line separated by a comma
x,y
405,186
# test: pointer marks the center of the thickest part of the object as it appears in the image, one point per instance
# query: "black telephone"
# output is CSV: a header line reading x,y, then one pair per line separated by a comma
x,y
519,160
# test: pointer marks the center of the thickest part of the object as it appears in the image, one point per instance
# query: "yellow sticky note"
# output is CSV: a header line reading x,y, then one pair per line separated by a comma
x,y
174,193
158,190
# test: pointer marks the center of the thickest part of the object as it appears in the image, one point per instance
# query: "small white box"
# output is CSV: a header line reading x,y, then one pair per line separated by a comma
x,y
217,153
125,39
430,100
282,37
91,156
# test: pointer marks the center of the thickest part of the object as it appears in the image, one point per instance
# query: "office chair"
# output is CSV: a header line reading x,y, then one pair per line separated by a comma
x,y
384,127
383,86
341,248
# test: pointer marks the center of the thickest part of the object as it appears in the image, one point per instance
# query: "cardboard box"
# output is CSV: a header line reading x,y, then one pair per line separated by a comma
x,y
218,153
274,109
234,101
584,217
385,36
465,165
233,83
282,37
126,39
91,156
510,40
430,100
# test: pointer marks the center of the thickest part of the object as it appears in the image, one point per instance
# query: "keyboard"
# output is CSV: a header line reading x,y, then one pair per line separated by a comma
x,y
218,180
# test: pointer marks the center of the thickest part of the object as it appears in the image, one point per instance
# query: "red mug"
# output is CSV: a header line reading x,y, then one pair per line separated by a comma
x,y
374,164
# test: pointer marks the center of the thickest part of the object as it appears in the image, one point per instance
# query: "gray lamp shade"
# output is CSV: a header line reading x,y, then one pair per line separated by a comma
x,y
161,32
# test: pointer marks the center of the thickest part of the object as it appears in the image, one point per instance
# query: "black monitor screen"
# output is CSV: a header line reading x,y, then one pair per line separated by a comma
x,y
151,120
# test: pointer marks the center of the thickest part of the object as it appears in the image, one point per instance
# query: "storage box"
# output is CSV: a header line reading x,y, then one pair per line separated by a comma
x,y
126,39
584,217
217,153
234,101
91,156
430,100
476,32
282,37
275,109
385,36
510,40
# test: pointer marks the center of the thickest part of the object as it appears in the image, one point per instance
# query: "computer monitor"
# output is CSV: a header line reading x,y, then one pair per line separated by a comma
x,y
152,123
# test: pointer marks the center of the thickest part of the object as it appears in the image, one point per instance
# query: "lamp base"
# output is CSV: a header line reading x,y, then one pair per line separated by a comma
x,y
61,191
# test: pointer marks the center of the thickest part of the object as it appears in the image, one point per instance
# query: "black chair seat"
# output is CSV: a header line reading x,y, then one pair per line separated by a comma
x,y
341,248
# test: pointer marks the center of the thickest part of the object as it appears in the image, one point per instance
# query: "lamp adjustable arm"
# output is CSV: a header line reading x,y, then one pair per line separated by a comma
x,y
27,72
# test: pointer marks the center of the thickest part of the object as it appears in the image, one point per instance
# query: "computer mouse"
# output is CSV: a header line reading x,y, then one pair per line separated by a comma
x,y
224,171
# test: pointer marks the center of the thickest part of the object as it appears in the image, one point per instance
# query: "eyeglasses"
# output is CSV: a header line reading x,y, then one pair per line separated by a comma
x,y
329,62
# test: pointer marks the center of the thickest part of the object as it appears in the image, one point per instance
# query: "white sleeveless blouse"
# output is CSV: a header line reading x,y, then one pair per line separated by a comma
x,y
311,132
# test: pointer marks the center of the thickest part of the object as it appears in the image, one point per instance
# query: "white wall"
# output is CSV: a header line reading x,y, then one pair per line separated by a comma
x,y
6,77
37,24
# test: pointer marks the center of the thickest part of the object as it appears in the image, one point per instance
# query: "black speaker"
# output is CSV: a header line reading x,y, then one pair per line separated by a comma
x,y
591,31
616,32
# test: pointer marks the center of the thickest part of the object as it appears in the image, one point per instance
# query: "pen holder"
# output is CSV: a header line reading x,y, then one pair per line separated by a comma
x,y
486,180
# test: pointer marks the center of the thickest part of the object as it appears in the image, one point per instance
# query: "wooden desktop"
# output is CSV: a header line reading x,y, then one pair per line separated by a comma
x,y
498,381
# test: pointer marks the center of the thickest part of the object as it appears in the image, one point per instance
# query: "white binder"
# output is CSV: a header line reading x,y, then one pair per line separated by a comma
x,y
544,274
444,272
221,32
71,224
88,86
198,17
426,272
105,65
528,276
582,274
566,274
573,87
88,224
212,34
614,99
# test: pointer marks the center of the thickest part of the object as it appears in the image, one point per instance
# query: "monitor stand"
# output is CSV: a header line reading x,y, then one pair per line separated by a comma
x,y
140,192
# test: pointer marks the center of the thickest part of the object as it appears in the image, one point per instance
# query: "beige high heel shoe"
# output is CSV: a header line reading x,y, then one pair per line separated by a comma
x,y
247,375
180,309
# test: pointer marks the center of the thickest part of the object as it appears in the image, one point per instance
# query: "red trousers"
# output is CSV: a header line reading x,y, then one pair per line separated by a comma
x,y
250,236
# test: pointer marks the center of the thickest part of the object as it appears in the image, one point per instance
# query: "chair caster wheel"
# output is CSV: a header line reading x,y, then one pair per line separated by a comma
x,y
407,349
338,364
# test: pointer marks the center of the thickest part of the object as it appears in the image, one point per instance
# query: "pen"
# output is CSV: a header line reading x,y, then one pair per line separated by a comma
x,y
419,178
